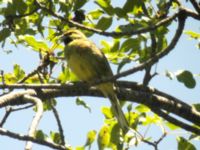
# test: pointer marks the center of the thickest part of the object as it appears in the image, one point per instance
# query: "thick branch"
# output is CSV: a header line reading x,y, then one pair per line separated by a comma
x,y
147,96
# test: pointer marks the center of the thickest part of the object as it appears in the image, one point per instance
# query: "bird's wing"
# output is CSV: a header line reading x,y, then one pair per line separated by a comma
x,y
86,59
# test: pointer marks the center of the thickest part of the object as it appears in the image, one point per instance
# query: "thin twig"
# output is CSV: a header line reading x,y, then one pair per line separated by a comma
x,y
22,108
60,128
36,119
28,138
161,138
8,111
196,5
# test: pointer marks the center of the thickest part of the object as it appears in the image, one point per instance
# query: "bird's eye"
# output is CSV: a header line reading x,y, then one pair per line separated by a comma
x,y
67,40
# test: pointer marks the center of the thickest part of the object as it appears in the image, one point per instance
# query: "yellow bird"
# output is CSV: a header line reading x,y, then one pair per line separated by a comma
x,y
89,63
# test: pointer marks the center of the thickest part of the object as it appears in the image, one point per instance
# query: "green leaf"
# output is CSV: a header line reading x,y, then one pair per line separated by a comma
x,y
107,112
104,23
106,46
121,13
79,3
134,6
193,34
115,45
172,126
4,34
186,78
95,14
116,136
142,108
35,44
184,144
130,43
105,5
47,104
103,137
56,138
80,148
196,106
128,6
21,6
18,72
39,134
91,136
82,103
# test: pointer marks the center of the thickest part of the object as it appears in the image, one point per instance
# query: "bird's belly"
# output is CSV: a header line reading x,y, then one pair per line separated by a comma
x,y
80,67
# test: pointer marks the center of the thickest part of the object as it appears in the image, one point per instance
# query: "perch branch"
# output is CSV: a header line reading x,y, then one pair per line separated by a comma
x,y
147,96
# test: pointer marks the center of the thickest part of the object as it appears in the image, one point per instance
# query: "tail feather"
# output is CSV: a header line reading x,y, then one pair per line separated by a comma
x,y
119,113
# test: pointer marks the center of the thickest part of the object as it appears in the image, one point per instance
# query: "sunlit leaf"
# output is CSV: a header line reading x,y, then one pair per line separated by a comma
x,y
91,136
18,72
105,5
172,126
95,14
80,148
35,44
104,137
142,108
107,112
193,34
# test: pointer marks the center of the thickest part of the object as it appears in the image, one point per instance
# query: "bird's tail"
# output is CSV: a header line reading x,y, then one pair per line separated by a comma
x,y
117,110
108,91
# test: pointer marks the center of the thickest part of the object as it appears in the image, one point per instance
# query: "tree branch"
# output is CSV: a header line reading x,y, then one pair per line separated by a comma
x,y
28,138
60,128
150,97
36,119
177,122
112,34
196,5
8,111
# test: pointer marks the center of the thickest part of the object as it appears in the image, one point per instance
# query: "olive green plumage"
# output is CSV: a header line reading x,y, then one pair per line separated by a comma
x,y
89,64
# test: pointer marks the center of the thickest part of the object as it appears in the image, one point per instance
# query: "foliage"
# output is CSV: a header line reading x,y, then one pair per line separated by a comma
x,y
38,25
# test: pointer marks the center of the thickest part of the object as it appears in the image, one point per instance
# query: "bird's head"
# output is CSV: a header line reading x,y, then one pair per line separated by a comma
x,y
72,34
